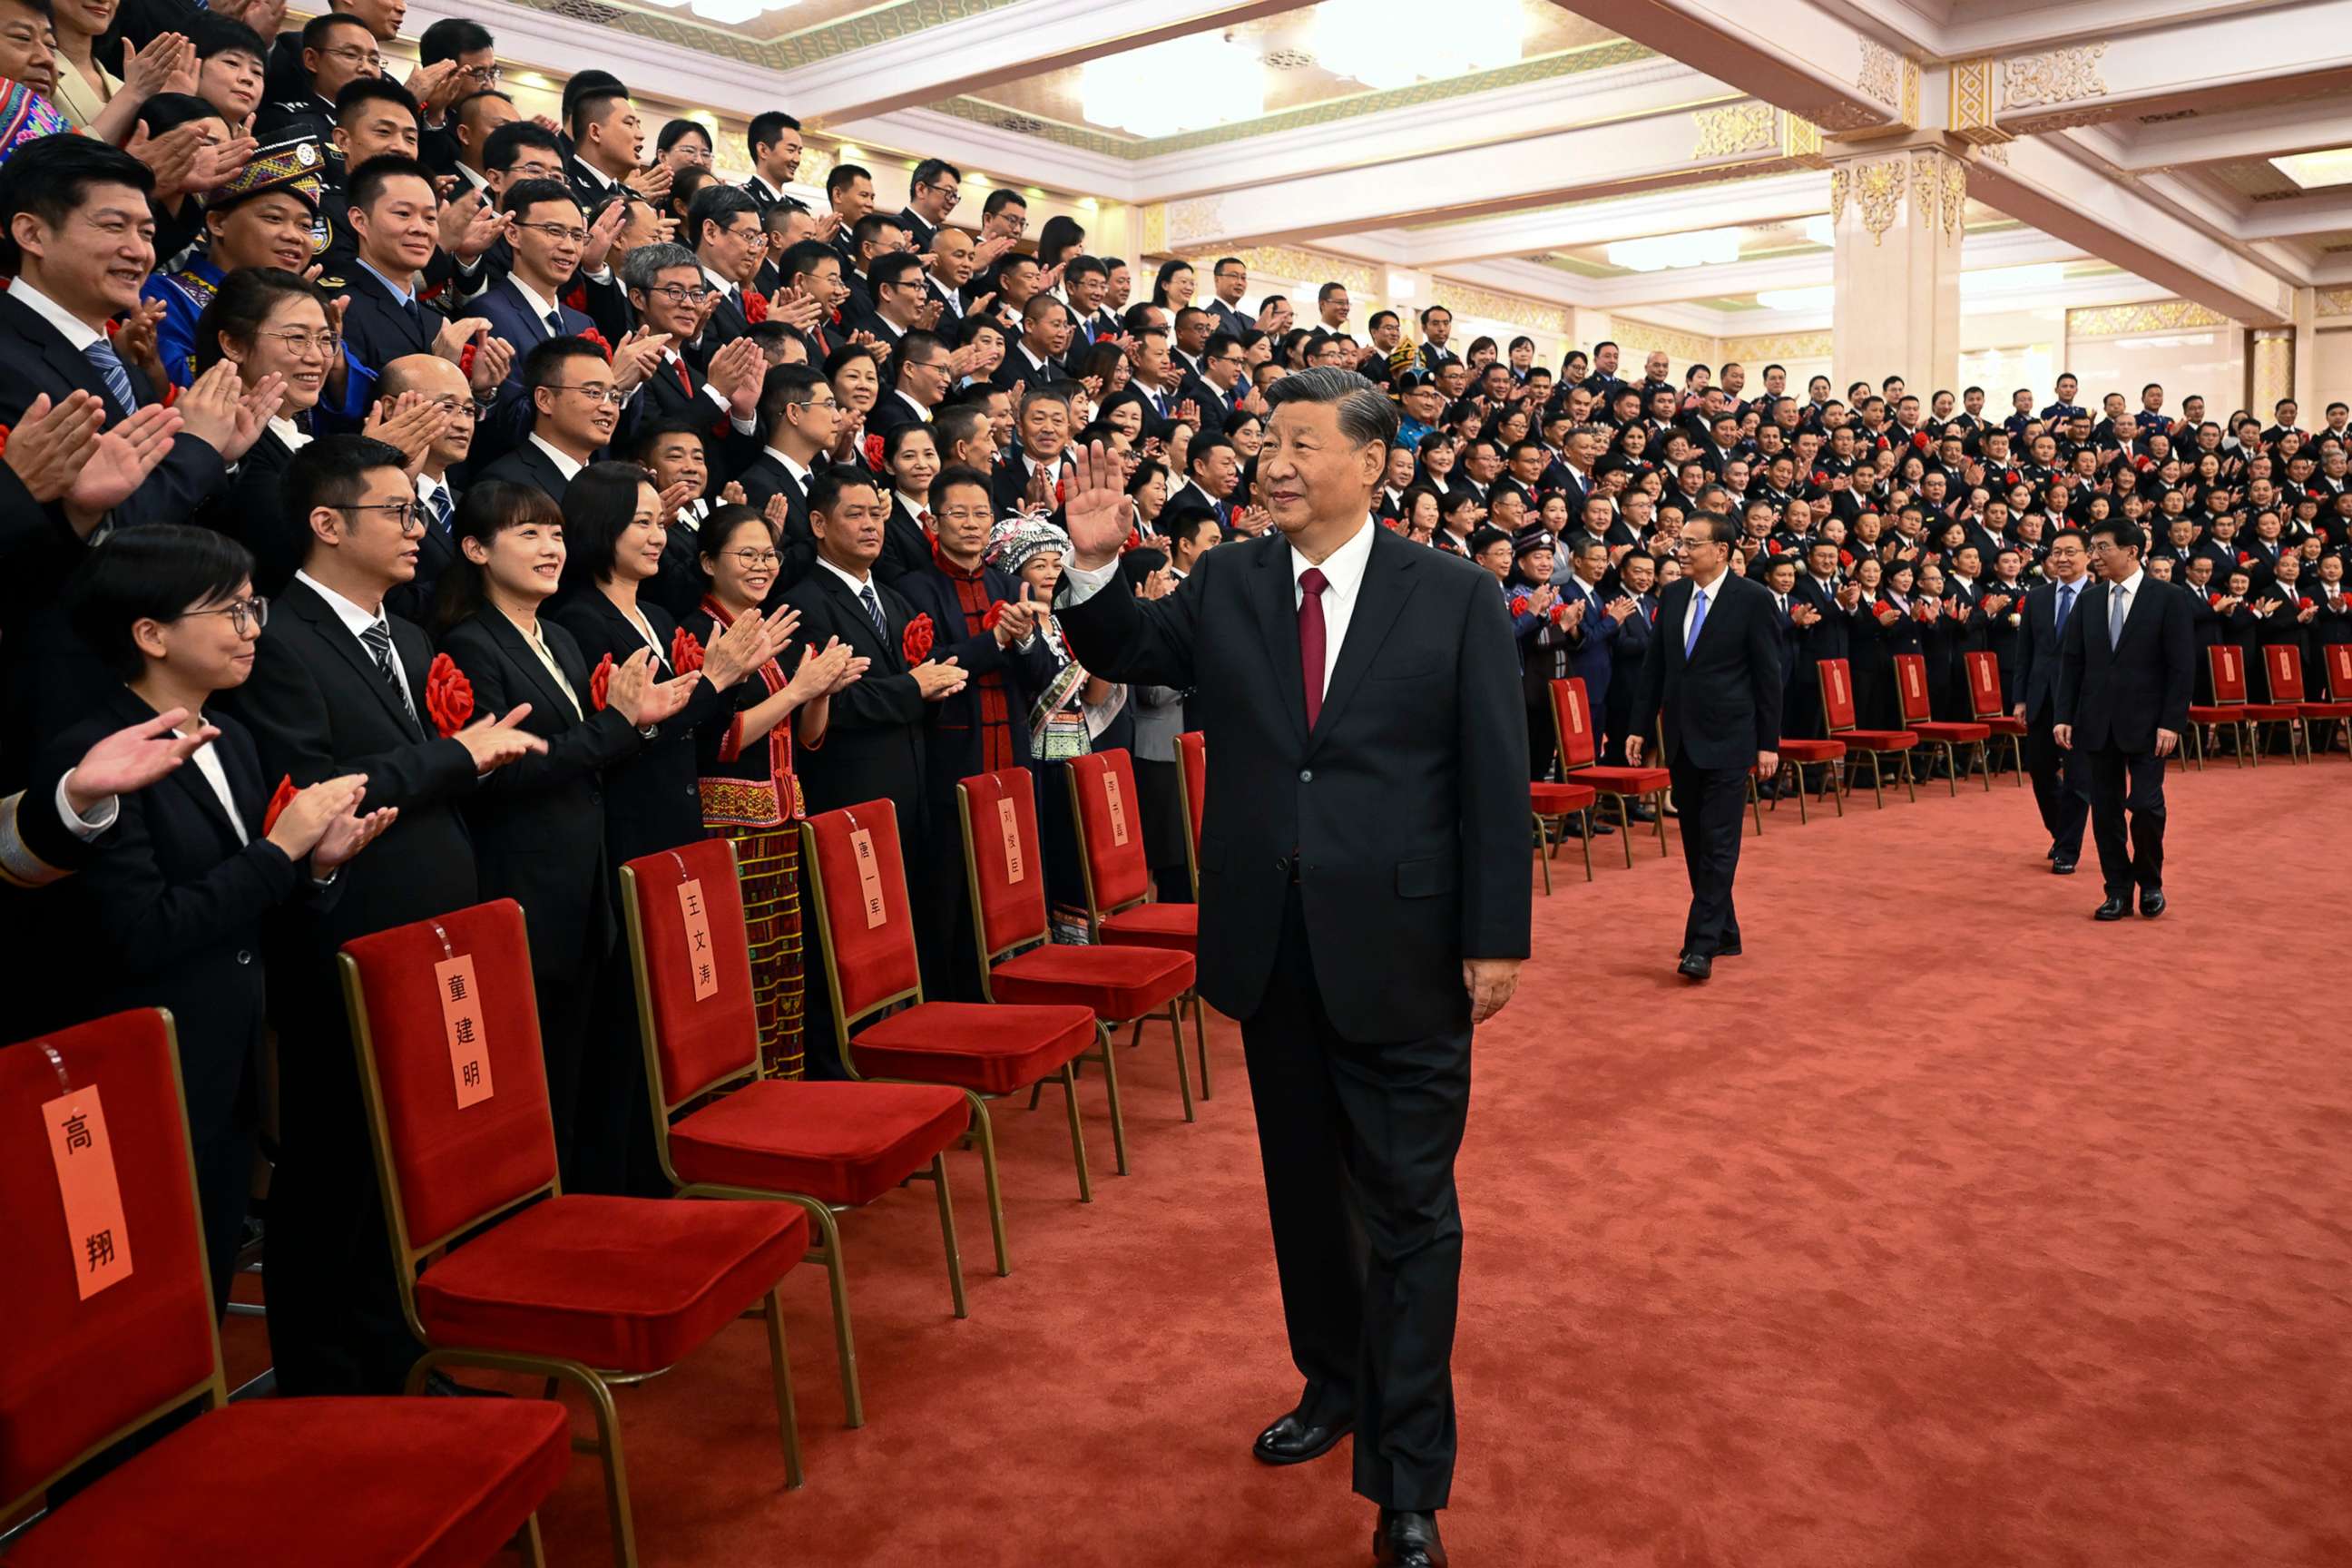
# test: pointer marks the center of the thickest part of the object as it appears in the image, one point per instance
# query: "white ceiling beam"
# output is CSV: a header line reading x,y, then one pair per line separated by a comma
x,y
976,52
2215,60
2266,132
1798,55
1943,30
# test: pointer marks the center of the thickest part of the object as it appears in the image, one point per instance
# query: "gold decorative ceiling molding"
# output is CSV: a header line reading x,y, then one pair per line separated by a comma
x,y
1511,310
2158,316
1768,346
1317,266
2335,302
1331,111
877,25
1636,337
2060,76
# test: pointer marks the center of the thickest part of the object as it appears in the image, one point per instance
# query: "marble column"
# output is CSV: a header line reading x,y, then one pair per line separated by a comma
x,y
1898,217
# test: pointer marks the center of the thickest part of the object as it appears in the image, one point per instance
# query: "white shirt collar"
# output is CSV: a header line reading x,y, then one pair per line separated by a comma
x,y
1343,569
857,585
293,435
596,176
355,620
564,464
791,465
724,285
540,306
473,179
2130,585
920,412
76,332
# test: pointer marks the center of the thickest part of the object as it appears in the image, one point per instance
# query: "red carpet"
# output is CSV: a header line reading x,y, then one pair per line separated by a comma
x,y
1945,1227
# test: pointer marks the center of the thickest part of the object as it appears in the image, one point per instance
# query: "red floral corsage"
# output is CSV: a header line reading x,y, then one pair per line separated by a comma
x,y
279,800
594,336
1520,604
684,652
755,306
600,683
448,695
995,614
915,643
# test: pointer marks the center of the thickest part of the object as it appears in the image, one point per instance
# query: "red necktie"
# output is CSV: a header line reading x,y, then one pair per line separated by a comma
x,y
1311,583
685,380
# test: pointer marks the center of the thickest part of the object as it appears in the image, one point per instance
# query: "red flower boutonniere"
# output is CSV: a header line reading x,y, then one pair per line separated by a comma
x,y
755,306
4,440
1821,476
1845,559
871,448
594,336
600,683
576,298
279,800
465,358
2244,559
1520,604
448,695
2302,603
915,643
1920,440
1560,613
684,652
995,614
1134,541
2214,600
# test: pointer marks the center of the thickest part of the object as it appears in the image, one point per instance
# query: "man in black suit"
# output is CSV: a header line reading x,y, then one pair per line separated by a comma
x,y
608,142
931,196
1035,360
2123,699
773,139
801,417
338,688
574,405
667,292
1715,674
393,214
1364,893
1823,631
2061,783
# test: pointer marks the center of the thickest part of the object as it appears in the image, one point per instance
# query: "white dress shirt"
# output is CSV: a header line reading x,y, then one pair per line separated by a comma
x,y
1713,592
209,763
77,333
541,307
2128,589
355,620
565,464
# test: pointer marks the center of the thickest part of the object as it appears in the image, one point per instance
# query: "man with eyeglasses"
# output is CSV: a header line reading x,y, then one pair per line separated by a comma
x,y
723,224
549,239
922,369
1231,280
800,417
573,407
931,196
308,69
902,302
432,377
1212,390
670,294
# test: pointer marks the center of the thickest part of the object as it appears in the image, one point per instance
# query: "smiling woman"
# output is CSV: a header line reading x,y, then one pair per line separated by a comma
x,y
268,323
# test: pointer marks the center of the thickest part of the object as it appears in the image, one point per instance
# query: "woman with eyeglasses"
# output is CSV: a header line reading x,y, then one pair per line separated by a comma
x,y
857,377
171,905
268,323
538,825
614,536
744,760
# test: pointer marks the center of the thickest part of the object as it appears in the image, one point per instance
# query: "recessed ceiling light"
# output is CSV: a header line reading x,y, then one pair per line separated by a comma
x,y
2332,166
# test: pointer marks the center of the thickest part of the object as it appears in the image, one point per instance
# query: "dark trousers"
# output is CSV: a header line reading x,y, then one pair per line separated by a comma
x,y
1358,1142
2122,780
2062,788
335,1325
1710,802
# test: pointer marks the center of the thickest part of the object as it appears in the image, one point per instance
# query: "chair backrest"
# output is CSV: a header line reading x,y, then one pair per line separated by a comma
x,y
78,1372
1192,785
1837,695
2338,657
859,889
1110,832
2229,668
2283,662
1571,721
692,960
1911,681
447,1030
1984,684
1007,874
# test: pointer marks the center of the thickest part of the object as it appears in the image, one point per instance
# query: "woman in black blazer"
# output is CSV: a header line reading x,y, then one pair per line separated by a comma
x,y
614,534
172,901
539,824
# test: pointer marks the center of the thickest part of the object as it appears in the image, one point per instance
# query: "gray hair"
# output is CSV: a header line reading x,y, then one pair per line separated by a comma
x,y
1365,416
647,262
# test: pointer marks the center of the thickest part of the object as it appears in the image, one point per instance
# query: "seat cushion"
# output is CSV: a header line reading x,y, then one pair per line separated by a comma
x,y
2002,725
1559,799
2326,709
621,1284
1623,781
1879,740
2205,713
2271,713
842,1144
1793,750
302,1481
974,1046
1954,731
1115,982
1176,926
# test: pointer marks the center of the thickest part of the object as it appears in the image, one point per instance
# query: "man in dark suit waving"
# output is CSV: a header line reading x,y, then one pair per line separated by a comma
x,y
1714,675
1364,899
2124,671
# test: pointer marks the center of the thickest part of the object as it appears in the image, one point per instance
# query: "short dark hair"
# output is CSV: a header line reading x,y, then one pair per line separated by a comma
x,y
368,181
242,302
953,476
217,35
843,176
929,171
781,388
1002,197
544,363
525,194
149,574
51,177
452,36
717,202
166,111
599,504
487,509
329,471
315,30
677,131
805,257
891,266
766,130
954,423
827,483
592,108
638,445
1204,447
504,144
2128,535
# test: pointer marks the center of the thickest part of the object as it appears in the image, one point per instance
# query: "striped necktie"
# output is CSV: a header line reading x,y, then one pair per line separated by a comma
x,y
109,366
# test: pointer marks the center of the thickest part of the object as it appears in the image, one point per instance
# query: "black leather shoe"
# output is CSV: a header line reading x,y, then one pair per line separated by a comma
x,y
1297,1437
2060,868
1642,813
1696,965
2151,902
1404,1540
2113,910
1729,948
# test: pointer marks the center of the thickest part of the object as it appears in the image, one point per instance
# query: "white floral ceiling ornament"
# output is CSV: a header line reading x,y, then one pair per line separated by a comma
x,y
1388,44
1185,84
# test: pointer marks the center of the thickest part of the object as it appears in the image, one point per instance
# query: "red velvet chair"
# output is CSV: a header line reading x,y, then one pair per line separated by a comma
x,y
262,1482
2283,662
1798,754
1192,785
872,977
1837,718
1911,685
1019,961
1572,720
2335,668
1120,909
497,1266
1984,703
827,1146
2228,667
1555,804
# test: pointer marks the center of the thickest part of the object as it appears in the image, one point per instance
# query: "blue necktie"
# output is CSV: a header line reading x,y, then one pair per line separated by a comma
x,y
109,366
1697,619
874,609
2065,607
440,504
